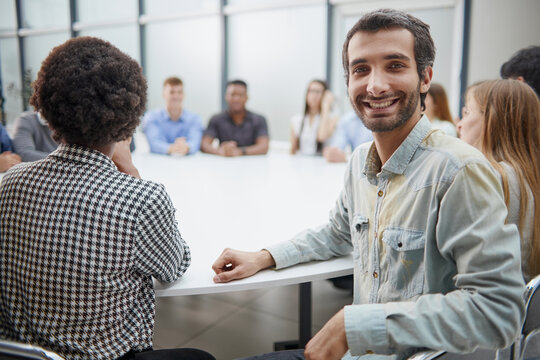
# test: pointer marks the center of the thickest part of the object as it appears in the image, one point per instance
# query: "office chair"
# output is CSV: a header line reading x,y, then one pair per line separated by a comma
x,y
528,346
426,355
12,350
479,354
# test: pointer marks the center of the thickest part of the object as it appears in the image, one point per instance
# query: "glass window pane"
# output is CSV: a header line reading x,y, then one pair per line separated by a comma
x,y
45,13
106,10
169,7
260,55
36,49
189,49
248,2
8,16
441,23
126,38
11,79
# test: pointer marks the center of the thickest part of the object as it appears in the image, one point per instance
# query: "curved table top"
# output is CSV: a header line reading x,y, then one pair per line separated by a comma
x,y
245,203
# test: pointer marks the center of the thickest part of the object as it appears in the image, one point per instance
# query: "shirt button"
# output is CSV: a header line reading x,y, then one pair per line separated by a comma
x,y
399,244
358,227
375,275
380,193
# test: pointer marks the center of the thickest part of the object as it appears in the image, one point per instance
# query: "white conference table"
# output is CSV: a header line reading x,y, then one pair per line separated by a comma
x,y
247,203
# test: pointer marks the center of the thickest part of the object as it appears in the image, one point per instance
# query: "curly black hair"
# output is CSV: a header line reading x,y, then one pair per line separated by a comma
x,y
90,93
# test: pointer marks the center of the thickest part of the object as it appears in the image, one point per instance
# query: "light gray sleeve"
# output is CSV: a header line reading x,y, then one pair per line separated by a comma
x,y
24,139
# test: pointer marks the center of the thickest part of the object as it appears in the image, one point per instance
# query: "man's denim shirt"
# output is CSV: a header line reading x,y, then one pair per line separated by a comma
x,y
435,266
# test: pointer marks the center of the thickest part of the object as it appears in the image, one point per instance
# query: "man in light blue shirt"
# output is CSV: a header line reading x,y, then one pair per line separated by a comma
x,y
423,214
173,130
350,132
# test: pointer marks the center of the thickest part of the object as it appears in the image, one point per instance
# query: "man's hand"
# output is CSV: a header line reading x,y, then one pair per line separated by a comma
x,y
330,342
7,160
229,148
122,159
334,154
179,147
235,264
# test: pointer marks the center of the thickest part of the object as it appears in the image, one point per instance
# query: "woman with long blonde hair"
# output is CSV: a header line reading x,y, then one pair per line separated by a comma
x,y
501,118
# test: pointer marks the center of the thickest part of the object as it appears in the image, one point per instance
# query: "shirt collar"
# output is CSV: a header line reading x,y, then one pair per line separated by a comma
x,y
41,120
168,117
247,117
401,158
83,155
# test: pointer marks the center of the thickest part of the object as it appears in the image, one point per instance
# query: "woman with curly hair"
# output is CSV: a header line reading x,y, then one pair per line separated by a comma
x,y
500,118
82,234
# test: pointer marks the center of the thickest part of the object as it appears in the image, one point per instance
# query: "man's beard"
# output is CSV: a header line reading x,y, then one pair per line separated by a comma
x,y
403,115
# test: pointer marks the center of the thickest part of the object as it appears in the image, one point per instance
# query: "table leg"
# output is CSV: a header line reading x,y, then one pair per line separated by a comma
x,y
304,321
304,326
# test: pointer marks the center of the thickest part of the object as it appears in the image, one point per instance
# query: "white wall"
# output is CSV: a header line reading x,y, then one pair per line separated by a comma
x,y
498,29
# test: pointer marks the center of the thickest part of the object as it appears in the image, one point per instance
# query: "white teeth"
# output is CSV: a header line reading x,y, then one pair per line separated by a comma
x,y
381,105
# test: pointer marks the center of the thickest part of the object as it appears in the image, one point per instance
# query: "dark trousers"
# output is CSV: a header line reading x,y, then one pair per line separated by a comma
x,y
279,355
168,354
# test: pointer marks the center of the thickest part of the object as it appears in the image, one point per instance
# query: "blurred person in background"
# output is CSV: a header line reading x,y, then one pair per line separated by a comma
x,y
314,127
438,111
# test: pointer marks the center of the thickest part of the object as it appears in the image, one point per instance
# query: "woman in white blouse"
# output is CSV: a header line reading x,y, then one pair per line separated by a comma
x,y
310,130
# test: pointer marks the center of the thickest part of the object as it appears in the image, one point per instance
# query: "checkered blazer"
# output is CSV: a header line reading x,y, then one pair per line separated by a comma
x,y
79,245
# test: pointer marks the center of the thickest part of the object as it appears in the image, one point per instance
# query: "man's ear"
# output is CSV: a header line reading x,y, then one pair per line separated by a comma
x,y
425,82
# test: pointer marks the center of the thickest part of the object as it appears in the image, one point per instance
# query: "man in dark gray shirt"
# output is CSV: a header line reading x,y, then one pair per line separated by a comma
x,y
32,138
239,131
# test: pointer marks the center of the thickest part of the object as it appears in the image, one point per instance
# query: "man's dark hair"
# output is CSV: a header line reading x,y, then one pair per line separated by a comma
x,y
90,93
237,82
524,63
386,19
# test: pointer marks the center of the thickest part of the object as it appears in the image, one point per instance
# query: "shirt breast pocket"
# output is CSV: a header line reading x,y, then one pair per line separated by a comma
x,y
360,238
405,260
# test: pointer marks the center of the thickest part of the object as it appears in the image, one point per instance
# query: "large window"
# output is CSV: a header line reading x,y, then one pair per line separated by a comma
x,y
103,11
276,46
38,14
8,17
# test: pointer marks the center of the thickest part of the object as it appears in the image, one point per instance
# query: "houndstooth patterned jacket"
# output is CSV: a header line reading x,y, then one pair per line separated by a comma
x,y
79,245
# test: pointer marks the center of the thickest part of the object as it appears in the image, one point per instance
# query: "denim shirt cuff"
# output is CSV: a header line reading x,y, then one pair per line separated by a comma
x,y
285,254
365,327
